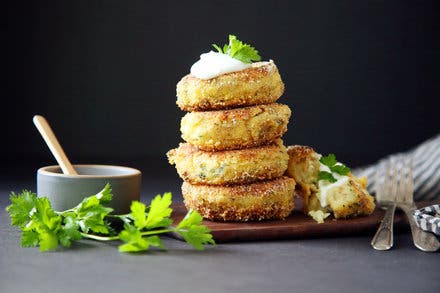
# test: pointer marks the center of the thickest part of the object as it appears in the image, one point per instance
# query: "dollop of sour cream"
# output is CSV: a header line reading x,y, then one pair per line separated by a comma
x,y
325,186
213,64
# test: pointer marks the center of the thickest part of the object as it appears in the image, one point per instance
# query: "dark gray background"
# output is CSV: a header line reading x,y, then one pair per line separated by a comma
x,y
361,76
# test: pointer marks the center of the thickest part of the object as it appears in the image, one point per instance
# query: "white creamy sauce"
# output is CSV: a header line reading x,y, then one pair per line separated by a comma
x,y
213,64
325,186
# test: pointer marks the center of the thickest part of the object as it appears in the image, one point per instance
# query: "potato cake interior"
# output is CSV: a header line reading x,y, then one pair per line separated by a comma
x,y
347,197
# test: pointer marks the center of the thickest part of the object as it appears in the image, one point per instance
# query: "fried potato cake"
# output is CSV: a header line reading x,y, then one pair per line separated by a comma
x,y
229,167
235,128
259,84
248,202
344,200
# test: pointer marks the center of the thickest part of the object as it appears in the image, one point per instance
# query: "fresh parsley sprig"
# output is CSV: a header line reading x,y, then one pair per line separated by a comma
x,y
239,50
44,227
335,167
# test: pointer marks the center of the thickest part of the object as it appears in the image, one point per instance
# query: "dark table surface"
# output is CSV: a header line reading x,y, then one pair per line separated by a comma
x,y
345,264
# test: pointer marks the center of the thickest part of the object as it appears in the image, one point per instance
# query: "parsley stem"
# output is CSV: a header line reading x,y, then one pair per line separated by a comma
x,y
66,211
121,217
99,238
153,232
113,238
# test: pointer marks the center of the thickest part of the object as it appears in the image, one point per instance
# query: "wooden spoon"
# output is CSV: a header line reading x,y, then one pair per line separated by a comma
x,y
53,144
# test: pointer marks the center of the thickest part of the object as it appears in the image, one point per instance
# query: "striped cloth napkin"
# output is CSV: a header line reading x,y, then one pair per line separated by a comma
x,y
428,218
426,162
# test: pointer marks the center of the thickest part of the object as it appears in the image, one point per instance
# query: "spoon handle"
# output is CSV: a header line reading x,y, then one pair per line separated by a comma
x,y
53,144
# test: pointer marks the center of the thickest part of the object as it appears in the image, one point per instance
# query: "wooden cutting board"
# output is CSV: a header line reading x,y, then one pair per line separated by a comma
x,y
297,225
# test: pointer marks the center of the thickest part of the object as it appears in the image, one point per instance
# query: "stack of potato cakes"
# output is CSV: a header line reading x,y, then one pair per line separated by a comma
x,y
233,160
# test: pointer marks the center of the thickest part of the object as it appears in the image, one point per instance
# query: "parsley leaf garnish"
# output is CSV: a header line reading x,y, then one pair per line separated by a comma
x,y
239,50
90,214
190,228
324,175
132,235
335,167
159,213
105,195
37,220
194,232
21,207
69,232
138,214
341,169
29,238
329,160
135,242
42,226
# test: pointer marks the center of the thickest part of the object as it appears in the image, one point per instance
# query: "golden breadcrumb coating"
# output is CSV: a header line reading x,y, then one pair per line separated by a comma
x,y
229,167
248,202
235,128
347,200
259,84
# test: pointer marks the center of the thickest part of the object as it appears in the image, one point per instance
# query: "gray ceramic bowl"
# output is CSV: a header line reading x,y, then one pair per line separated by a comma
x,y
66,191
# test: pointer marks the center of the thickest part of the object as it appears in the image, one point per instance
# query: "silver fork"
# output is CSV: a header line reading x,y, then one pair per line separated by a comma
x,y
386,193
423,240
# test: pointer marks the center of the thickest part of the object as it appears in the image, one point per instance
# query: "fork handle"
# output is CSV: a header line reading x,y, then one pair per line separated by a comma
x,y
423,240
383,239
